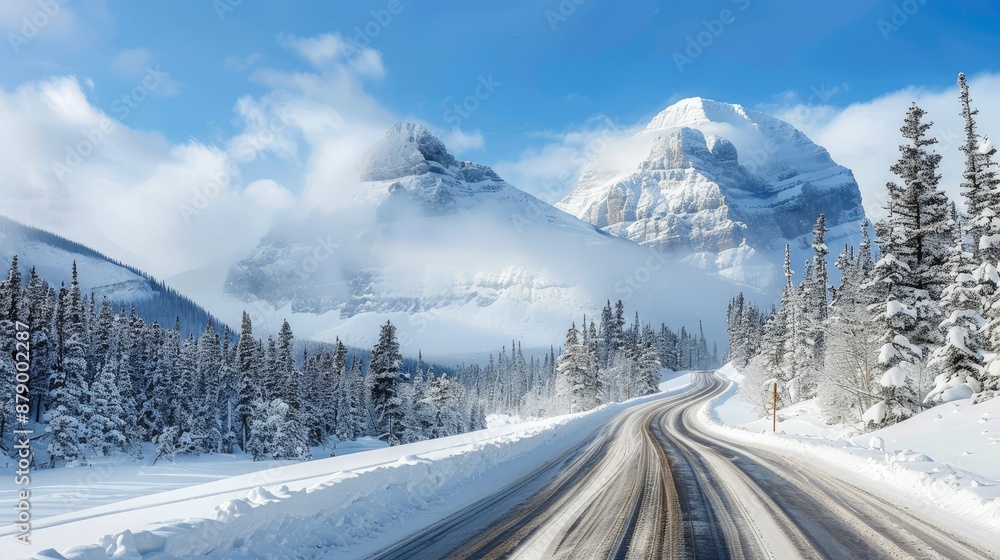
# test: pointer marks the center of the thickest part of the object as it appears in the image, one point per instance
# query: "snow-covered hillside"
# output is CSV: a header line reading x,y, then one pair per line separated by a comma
x,y
52,257
724,185
450,252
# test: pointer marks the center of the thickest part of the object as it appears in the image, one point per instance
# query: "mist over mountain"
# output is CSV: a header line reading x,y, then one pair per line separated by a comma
x,y
452,253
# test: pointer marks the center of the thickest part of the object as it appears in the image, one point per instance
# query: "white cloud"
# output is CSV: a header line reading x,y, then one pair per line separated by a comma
x,y
83,173
551,171
318,50
269,194
368,63
75,170
865,136
459,141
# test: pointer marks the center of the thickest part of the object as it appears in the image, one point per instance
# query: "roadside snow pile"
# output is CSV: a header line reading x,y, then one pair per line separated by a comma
x,y
306,508
911,458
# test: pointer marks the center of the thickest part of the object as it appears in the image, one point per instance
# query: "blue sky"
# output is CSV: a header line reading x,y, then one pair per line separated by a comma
x,y
558,63
265,107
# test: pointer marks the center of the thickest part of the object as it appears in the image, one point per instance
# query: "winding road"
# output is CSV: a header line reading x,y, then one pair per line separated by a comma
x,y
652,483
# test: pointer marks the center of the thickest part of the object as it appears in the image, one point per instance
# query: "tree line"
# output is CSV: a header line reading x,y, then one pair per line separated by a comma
x,y
104,381
603,362
914,321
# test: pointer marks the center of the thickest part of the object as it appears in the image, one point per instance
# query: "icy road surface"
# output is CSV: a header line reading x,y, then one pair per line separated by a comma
x,y
652,483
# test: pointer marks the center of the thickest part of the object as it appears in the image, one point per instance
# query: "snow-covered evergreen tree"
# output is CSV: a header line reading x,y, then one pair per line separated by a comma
x,y
647,376
980,185
893,316
248,364
818,304
288,377
208,391
981,188
343,399
107,422
960,360
576,377
384,370
40,301
922,226
274,433
69,396
847,387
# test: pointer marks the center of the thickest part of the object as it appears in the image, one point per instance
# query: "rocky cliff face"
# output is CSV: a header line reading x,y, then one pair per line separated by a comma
x,y
716,181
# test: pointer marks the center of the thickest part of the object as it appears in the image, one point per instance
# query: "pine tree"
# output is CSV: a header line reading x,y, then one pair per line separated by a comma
x,y
798,380
314,378
11,311
229,387
248,364
445,398
921,225
423,418
208,391
273,433
156,409
337,401
384,370
107,422
893,316
960,359
186,397
11,293
819,306
101,337
288,377
848,387
41,310
575,375
981,186
648,365
69,398
355,393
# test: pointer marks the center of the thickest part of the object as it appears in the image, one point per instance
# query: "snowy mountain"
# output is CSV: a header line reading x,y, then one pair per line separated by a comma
x,y
52,257
456,257
722,185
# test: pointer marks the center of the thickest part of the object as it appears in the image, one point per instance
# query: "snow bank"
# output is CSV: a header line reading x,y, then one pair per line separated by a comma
x,y
316,505
946,493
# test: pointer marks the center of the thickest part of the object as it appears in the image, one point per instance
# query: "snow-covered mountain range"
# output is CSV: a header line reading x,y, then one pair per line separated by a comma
x,y
724,186
458,259
456,256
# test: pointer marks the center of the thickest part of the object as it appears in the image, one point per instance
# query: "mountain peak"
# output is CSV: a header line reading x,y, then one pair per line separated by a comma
x,y
697,110
407,149
706,174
